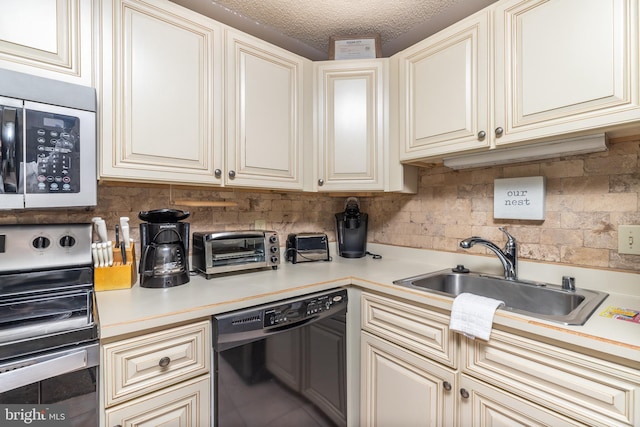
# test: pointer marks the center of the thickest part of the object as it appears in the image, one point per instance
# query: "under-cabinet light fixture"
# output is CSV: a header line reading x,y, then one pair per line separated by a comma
x,y
534,151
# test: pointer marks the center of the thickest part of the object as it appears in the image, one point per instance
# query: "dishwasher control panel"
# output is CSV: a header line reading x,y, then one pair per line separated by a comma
x,y
313,306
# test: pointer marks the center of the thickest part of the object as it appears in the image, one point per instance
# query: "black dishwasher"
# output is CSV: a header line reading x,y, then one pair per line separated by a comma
x,y
282,364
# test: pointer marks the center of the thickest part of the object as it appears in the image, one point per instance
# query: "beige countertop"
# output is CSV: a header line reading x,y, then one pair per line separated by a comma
x,y
128,311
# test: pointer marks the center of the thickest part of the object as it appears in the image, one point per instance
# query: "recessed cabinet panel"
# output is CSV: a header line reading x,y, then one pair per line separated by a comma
x,y
162,100
48,38
350,121
443,83
555,75
264,114
166,115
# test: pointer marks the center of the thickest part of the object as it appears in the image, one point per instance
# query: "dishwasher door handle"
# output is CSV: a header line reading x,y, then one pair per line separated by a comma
x,y
39,371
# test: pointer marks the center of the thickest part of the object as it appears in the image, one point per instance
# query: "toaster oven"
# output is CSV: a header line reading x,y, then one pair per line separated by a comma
x,y
231,251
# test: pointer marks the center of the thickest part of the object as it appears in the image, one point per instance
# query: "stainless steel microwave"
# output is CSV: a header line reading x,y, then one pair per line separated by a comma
x,y
47,143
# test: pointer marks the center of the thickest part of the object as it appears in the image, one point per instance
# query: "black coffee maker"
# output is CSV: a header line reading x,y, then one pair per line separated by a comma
x,y
351,230
165,248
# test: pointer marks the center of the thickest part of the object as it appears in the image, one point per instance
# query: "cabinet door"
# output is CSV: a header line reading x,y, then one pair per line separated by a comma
x,y
487,406
351,135
400,388
184,405
564,66
161,94
48,38
443,84
264,114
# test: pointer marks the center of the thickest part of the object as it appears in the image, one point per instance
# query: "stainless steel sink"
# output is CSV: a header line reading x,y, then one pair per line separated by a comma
x,y
540,300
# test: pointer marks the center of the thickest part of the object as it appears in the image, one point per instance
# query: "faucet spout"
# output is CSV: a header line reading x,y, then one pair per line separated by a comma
x,y
507,256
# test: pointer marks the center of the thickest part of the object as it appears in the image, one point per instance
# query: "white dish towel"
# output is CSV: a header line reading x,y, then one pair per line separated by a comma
x,y
472,315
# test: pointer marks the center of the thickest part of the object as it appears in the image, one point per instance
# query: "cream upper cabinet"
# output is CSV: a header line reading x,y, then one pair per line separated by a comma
x,y
265,113
48,38
161,93
564,66
353,150
443,91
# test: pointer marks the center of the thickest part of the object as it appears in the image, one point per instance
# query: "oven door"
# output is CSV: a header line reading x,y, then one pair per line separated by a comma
x,y
53,386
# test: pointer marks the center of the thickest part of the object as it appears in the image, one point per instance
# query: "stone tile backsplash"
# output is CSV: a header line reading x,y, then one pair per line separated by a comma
x,y
588,196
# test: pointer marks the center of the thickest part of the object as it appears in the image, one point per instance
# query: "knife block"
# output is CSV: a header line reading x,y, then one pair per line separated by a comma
x,y
119,275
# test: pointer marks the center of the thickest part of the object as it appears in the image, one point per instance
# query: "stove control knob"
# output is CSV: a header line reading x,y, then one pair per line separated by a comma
x,y
41,242
67,241
273,239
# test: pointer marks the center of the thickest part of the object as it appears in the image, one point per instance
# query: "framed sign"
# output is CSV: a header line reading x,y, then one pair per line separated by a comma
x,y
363,47
519,198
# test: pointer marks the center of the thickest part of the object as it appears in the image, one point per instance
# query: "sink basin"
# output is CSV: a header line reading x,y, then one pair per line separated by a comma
x,y
540,300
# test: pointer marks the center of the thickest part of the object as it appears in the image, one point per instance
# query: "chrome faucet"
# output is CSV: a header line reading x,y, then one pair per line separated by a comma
x,y
508,256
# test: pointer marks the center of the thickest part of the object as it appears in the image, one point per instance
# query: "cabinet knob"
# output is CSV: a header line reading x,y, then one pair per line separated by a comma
x,y
217,173
499,131
164,362
446,385
321,182
482,134
464,393
232,174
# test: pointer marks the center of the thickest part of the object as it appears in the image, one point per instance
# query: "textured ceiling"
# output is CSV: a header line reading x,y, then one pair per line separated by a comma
x,y
305,26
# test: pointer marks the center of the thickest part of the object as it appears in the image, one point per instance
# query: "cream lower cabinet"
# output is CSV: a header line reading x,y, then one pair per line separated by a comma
x,y
266,101
417,372
160,378
49,38
160,93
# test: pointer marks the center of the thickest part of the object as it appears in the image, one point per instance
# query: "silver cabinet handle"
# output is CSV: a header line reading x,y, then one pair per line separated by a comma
x,y
446,385
217,173
321,182
164,362
232,174
464,393
499,131
482,134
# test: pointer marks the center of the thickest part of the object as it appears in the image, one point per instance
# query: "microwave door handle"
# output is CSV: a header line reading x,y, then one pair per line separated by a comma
x,y
9,123
39,371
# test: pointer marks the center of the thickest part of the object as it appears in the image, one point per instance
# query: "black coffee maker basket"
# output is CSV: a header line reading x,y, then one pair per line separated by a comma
x,y
351,230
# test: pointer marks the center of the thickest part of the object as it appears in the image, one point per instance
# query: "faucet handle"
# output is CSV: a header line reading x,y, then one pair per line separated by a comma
x,y
510,246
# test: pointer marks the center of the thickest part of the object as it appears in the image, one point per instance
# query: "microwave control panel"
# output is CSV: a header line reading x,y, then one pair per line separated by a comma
x,y
52,153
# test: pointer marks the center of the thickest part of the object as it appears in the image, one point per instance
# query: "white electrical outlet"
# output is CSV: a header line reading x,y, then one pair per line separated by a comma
x,y
629,239
260,224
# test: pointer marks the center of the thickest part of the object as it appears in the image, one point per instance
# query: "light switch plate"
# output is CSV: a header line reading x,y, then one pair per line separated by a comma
x,y
260,224
629,239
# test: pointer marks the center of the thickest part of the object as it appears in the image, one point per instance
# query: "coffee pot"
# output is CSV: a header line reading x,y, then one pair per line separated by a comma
x,y
351,230
165,248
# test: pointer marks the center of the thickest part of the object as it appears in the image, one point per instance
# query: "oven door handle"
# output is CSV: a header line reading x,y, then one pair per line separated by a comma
x,y
68,362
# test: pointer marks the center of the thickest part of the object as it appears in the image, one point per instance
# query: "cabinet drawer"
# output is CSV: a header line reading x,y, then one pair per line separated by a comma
x,y
149,362
594,391
183,405
415,328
